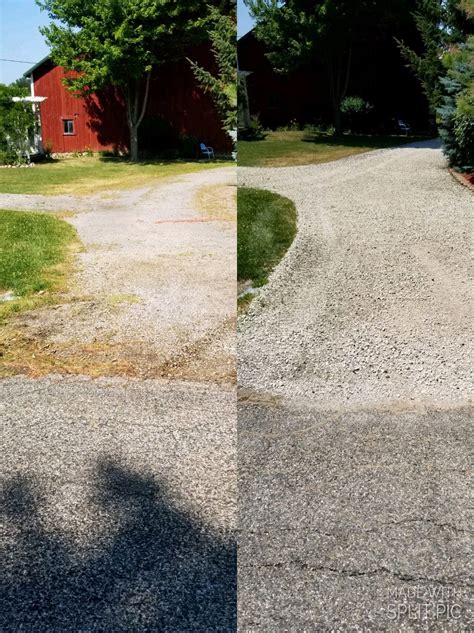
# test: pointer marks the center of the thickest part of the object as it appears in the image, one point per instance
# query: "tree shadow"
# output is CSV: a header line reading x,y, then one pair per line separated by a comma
x,y
160,571
369,140
107,120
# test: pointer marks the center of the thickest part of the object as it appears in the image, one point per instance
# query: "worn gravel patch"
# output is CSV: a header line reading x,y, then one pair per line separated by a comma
x,y
155,289
372,302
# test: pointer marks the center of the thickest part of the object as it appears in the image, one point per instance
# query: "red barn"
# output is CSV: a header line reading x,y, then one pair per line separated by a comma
x,y
176,105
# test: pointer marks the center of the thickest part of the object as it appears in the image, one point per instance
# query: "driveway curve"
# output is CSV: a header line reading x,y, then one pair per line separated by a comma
x,y
354,413
371,304
154,293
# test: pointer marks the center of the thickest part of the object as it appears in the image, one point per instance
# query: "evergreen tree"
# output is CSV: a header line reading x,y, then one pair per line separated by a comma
x,y
221,85
456,114
427,65
440,23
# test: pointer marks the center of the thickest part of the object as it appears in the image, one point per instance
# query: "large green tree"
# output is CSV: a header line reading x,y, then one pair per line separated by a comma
x,y
314,31
118,43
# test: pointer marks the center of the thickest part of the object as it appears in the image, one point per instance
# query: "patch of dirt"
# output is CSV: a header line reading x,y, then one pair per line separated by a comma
x,y
34,353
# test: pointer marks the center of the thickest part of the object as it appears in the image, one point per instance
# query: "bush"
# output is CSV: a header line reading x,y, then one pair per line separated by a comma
x,y
456,116
355,111
255,131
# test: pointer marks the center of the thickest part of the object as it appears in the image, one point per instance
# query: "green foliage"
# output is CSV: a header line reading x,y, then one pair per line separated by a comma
x,y
427,65
440,23
355,111
457,111
354,105
16,125
222,85
254,132
265,230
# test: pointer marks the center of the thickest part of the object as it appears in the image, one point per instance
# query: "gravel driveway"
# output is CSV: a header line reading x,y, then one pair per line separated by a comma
x,y
354,422
154,295
119,492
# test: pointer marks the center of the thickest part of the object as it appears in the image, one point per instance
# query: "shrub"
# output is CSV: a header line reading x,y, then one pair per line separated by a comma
x,y
255,131
456,116
48,149
319,128
355,110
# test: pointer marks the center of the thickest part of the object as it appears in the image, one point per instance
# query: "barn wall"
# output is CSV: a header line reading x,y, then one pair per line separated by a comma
x,y
100,121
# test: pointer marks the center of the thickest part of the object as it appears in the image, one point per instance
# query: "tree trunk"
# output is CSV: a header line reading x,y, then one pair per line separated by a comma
x,y
337,118
134,116
134,143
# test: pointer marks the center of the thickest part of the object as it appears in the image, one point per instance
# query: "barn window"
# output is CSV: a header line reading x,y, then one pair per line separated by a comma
x,y
68,126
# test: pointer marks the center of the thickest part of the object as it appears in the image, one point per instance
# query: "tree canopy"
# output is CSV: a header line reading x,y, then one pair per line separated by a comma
x,y
440,23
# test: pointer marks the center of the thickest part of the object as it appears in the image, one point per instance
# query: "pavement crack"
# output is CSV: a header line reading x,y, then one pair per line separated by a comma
x,y
352,530
352,573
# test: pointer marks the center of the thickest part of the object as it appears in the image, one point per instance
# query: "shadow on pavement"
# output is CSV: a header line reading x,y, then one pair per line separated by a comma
x,y
161,570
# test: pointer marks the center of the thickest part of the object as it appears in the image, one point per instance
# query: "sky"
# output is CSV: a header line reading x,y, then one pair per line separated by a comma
x,y
19,37
21,40
244,21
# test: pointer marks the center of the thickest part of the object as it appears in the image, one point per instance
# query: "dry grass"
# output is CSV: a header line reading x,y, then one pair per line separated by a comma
x,y
217,202
87,175
283,149
22,354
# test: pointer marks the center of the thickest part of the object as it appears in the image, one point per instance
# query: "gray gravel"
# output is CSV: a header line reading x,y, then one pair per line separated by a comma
x,y
355,419
155,286
372,302
119,503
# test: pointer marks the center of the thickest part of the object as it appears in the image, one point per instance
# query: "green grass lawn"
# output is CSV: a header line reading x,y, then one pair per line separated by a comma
x,y
283,149
35,256
265,229
88,174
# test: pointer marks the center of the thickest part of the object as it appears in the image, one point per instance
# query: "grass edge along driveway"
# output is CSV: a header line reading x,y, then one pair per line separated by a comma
x,y
36,259
90,174
285,149
266,227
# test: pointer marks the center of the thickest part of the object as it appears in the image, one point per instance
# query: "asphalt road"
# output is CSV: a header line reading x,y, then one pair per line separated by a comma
x,y
118,505
354,520
354,419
